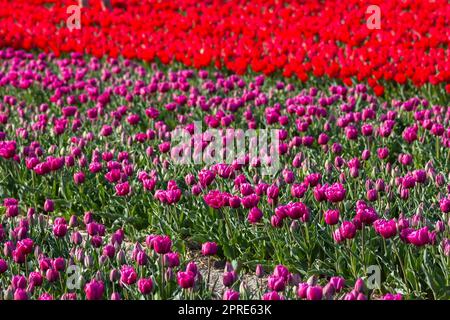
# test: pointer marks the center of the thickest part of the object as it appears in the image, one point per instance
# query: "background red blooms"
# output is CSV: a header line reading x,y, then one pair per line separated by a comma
x,y
259,35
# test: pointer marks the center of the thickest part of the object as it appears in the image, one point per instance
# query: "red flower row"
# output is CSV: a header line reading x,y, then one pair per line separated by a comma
x,y
297,38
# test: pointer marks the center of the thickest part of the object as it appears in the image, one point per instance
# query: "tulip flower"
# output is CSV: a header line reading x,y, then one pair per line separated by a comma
x,y
128,275
255,215
331,217
3,266
272,295
230,294
209,248
49,205
185,279
94,290
145,285
161,244
335,193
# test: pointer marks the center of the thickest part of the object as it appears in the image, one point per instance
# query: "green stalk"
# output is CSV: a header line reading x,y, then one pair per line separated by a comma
x,y
394,247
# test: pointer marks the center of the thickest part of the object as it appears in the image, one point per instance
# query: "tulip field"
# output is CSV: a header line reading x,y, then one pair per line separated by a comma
x,y
261,150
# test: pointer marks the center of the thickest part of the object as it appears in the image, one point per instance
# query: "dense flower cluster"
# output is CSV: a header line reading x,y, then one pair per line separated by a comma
x,y
107,265
359,179
303,39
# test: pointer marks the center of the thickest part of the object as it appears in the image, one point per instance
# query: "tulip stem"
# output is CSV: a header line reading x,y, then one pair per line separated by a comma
x,y
447,158
26,265
308,253
161,260
261,288
401,264
437,148
61,283
209,272
335,251
363,258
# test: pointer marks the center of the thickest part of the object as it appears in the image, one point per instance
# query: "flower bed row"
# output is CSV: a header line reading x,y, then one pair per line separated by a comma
x,y
302,39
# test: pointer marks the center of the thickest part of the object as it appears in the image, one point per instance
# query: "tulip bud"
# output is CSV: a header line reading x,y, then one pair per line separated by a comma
x,y
390,194
8,248
228,267
380,185
372,195
9,293
190,179
79,254
301,290
198,279
115,296
314,293
98,276
354,172
192,267
295,279
41,221
342,178
440,226
31,214
73,222
37,251
312,281
338,283
294,226
297,162
76,238
102,260
243,289
361,296
209,248
328,291
388,168
170,275
141,258
49,205
360,287
397,172
88,218
259,271
88,261
365,155
121,258
51,275
350,296
114,275
275,221
229,278
328,167
440,180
